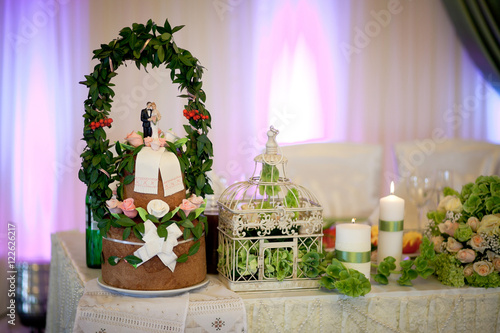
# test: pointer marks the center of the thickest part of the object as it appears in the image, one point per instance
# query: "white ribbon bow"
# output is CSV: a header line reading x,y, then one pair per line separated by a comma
x,y
156,245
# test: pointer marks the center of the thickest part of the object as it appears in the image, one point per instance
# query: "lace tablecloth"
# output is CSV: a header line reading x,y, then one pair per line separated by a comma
x,y
428,306
211,308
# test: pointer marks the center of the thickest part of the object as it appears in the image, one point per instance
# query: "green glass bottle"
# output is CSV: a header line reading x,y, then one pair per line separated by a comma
x,y
93,237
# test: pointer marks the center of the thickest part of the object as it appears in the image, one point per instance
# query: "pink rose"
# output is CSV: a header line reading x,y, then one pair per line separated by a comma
x,y
495,259
438,243
187,206
128,208
452,245
468,270
466,255
147,141
114,206
195,200
477,243
162,141
448,227
483,268
134,139
473,223
496,264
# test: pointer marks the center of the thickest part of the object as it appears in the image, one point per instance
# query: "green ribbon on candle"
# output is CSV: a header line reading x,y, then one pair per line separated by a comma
x,y
390,225
353,257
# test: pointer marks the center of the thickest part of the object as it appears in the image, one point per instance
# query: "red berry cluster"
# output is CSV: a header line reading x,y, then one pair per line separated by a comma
x,y
194,114
101,123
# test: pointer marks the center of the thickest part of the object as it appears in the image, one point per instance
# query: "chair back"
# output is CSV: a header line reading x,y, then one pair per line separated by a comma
x,y
465,159
345,177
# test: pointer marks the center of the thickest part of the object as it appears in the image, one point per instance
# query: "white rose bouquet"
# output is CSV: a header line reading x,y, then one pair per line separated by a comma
x,y
465,230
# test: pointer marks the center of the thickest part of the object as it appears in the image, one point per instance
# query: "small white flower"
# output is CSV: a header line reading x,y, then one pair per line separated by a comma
x,y
158,208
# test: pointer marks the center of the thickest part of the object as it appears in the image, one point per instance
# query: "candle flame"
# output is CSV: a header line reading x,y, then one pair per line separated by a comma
x,y
392,187
353,220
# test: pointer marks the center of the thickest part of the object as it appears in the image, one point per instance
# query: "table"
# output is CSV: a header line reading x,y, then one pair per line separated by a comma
x,y
428,306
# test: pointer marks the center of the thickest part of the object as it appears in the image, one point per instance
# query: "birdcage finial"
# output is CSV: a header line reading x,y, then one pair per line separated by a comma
x,y
272,145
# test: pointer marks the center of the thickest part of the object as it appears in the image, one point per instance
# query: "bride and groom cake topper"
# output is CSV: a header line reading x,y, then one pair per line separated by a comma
x,y
150,117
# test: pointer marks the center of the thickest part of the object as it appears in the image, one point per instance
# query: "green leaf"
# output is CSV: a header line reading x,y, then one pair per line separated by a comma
x,y
169,215
200,180
165,36
139,230
128,179
125,222
96,160
167,26
152,218
328,282
183,258
142,213
381,278
113,260
126,232
187,224
185,60
162,231
194,248
81,176
177,28
161,53
197,230
136,232
133,260
94,175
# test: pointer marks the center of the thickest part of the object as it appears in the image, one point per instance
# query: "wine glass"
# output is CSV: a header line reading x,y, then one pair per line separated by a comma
x,y
420,189
444,178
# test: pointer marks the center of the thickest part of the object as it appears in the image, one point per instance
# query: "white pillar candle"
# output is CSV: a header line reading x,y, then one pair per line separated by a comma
x,y
390,229
354,240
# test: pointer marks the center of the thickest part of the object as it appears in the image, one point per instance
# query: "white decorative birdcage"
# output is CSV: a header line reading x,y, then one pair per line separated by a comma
x,y
266,225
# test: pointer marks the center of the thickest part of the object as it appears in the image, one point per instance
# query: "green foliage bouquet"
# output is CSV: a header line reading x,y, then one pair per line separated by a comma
x,y
465,231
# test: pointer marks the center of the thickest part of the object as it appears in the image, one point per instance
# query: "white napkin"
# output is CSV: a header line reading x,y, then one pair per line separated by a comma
x,y
215,309
171,173
146,170
102,311
148,163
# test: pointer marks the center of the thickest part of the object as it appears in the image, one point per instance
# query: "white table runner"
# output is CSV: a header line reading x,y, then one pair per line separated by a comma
x,y
213,308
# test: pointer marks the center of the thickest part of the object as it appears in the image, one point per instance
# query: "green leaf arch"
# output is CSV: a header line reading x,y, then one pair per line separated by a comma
x,y
148,44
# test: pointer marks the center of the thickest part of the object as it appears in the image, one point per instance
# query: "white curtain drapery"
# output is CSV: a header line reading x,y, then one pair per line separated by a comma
x,y
379,72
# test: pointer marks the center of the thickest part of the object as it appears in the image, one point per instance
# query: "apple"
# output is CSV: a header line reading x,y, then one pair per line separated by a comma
x,y
411,241
374,235
329,237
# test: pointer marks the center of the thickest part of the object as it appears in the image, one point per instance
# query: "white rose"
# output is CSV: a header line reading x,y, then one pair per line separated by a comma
x,y
483,267
158,208
114,206
495,259
473,223
171,136
477,243
448,227
468,270
490,224
438,243
466,255
450,203
452,245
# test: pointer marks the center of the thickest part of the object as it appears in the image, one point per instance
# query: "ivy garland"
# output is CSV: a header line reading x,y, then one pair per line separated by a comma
x,y
142,44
